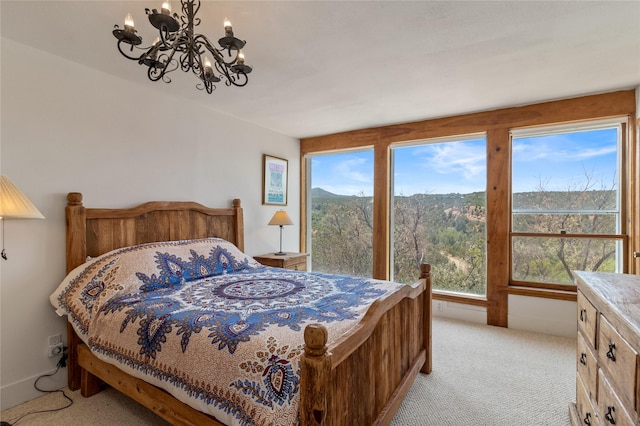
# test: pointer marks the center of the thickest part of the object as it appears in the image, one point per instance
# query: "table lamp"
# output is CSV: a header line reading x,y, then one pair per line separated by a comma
x,y
14,205
280,218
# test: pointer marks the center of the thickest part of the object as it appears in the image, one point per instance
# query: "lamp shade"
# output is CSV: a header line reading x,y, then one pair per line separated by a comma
x,y
14,204
280,218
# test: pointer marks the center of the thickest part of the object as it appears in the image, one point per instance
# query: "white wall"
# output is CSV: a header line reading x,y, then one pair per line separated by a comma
x,y
547,316
67,128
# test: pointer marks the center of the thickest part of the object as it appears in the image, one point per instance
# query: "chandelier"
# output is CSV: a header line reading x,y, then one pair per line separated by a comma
x,y
179,47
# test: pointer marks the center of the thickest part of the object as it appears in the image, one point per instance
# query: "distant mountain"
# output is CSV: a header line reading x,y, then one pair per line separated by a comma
x,y
321,193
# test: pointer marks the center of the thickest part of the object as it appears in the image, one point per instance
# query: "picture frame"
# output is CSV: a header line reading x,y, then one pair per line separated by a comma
x,y
275,180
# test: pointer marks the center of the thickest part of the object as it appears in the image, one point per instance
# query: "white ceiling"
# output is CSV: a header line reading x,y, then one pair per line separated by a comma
x,y
322,67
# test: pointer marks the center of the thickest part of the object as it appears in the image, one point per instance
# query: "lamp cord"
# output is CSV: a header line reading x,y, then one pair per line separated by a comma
x,y
4,253
62,363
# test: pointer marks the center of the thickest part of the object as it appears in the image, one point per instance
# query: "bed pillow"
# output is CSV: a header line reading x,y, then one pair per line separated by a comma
x,y
143,268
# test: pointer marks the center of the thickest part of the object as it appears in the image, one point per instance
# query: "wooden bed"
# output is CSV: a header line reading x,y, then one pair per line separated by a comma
x,y
361,379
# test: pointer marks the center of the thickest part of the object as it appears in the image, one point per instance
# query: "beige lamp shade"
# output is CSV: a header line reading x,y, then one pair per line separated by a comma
x,y
14,204
281,218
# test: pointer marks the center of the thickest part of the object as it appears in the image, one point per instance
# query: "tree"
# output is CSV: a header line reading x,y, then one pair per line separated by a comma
x,y
551,258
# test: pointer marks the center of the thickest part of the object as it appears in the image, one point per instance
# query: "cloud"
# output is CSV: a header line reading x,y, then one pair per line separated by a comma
x,y
355,169
345,174
466,159
563,148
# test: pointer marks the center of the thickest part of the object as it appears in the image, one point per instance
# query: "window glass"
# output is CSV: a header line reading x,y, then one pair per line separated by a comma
x,y
439,213
566,203
341,208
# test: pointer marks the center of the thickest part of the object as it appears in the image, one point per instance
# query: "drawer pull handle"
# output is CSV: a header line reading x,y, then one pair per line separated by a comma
x,y
609,416
611,354
587,419
583,315
583,359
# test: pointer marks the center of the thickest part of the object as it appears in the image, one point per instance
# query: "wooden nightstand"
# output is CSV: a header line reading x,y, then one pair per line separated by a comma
x,y
295,261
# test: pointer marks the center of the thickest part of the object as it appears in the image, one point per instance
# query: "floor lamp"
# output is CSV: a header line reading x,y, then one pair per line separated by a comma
x,y
280,218
14,205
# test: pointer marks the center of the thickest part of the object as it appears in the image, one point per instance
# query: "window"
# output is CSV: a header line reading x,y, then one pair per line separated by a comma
x,y
439,213
566,203
340,205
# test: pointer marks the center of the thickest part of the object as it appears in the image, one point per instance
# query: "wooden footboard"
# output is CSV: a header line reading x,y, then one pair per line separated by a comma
x,y
363,378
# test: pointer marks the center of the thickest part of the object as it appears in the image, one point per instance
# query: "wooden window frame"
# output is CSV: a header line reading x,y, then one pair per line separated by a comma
x,y
623,237
497,125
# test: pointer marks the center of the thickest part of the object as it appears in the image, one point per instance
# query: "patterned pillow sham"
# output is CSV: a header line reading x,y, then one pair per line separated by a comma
x,y
144,268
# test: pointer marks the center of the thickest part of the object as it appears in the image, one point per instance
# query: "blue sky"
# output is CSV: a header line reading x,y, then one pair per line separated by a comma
x,y
557,162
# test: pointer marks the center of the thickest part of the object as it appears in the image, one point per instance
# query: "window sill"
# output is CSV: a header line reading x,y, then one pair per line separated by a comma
x,y
543,293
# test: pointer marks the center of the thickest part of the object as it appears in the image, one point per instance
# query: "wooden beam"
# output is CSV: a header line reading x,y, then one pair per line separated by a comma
x,y
498,224
381,206
612,104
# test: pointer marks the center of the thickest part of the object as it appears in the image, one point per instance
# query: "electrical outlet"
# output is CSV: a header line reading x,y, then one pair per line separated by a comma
x,y
55,345
439,306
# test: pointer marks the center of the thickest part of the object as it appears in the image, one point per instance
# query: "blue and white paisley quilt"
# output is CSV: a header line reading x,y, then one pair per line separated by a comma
x,y
209,324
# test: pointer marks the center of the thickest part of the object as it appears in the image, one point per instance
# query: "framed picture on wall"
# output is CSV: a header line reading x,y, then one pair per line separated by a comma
x,y
275,180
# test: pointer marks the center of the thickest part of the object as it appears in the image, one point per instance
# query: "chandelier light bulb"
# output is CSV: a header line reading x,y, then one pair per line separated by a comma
x,y
227,24
166,8
240,57
207,67
128,22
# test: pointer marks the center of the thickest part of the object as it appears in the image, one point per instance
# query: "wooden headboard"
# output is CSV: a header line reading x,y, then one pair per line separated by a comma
x,y
92,232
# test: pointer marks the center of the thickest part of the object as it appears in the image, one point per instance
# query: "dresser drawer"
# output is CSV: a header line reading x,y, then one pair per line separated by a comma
x,y
610,408
584,407
587,366
619,360
587,318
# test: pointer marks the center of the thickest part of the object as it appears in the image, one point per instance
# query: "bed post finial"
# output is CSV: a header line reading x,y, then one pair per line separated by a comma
x,y
315,340
425,270
74,199
315,372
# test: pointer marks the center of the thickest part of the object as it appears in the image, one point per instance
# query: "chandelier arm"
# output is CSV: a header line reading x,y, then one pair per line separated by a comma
x,y
175,41
166,38
126,55
208,86
168,69
240,79
185,62
160,73
155,74
215,52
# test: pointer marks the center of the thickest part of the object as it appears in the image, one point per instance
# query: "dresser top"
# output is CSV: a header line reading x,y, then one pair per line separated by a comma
x,y
619,292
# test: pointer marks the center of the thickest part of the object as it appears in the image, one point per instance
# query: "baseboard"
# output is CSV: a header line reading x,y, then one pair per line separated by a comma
x,y
22,391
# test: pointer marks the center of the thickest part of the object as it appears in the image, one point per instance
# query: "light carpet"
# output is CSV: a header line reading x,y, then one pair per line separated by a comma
x,y
482,376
